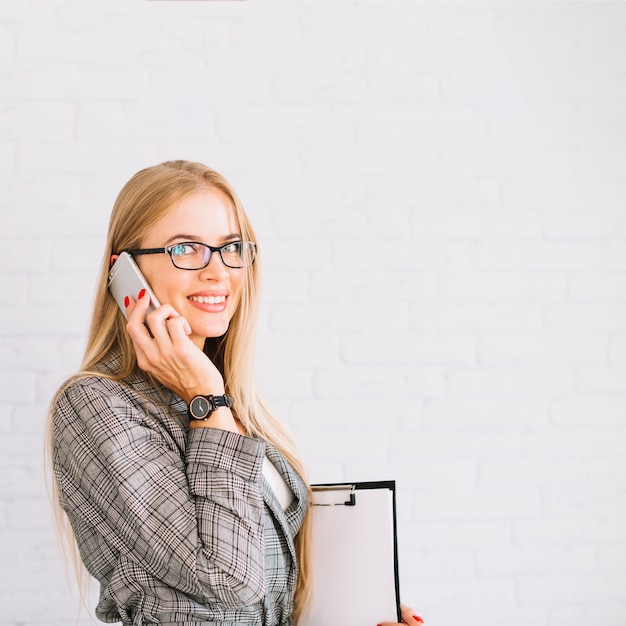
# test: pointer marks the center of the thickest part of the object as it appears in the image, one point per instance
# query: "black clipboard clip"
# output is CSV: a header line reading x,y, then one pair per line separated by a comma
x,y
341,488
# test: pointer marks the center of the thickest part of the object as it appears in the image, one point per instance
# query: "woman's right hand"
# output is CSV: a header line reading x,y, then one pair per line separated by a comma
x,y
167,352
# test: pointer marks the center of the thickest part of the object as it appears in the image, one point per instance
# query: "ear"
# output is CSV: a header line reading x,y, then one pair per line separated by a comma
x,y
114,258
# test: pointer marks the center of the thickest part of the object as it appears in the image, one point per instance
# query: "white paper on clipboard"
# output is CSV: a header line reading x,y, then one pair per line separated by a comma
x,y
354,560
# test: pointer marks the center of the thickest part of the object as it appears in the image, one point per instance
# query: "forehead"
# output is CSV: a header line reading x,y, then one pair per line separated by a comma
x,y
207,215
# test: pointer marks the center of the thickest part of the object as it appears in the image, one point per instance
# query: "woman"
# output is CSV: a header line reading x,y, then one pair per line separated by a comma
x,y
186,497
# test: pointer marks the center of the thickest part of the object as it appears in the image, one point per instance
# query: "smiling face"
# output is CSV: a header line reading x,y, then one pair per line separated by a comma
x,y
208,297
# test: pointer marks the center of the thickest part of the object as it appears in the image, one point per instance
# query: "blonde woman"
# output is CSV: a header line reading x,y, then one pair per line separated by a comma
x,y
185,496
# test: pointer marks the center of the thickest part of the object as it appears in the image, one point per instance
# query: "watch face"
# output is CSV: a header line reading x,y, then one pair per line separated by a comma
x,y
200,407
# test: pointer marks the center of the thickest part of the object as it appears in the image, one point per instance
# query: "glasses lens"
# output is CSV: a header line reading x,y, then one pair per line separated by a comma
x,y
190,256
238,253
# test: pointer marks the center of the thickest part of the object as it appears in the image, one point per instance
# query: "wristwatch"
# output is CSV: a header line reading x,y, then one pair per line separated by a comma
x,y
202,407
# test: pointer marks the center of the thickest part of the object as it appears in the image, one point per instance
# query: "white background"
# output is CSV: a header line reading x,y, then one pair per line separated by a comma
x,y
439,193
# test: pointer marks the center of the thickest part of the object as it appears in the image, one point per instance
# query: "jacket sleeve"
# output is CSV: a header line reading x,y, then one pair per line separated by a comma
x,y
196,523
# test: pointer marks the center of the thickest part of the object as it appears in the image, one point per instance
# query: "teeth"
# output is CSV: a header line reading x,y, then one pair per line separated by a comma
x,y
208,299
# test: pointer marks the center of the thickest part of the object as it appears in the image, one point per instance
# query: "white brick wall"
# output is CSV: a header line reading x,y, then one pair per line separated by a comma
x,y
439,190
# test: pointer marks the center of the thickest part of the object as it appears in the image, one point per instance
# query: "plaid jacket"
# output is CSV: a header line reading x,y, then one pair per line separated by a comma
x,y
179,526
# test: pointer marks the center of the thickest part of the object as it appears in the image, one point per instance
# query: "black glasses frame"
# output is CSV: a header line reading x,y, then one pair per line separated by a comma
x,y
168,250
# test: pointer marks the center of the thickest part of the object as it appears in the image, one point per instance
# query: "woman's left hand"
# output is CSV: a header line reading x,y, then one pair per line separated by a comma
x,y
409,616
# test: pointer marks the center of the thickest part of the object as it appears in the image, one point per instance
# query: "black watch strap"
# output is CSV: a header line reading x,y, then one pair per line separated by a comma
x,y
202,407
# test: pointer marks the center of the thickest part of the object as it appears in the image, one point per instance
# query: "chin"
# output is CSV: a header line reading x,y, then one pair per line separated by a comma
x,y
215,330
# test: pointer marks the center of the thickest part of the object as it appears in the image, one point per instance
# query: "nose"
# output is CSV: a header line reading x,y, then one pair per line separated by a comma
x,y
215,270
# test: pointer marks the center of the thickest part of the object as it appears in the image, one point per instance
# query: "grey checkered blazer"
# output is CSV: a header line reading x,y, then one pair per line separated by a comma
x,y
179,526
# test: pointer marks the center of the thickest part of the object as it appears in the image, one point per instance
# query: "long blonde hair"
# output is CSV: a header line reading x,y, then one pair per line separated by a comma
x,y
143,201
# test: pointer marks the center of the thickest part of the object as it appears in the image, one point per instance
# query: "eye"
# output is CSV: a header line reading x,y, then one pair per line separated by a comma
x,y
232,248
184,249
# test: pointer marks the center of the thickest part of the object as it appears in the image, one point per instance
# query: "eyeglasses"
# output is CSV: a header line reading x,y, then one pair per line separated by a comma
x,y
193,255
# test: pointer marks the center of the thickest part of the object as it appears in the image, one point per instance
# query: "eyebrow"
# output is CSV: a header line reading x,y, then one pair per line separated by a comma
x,y
184,237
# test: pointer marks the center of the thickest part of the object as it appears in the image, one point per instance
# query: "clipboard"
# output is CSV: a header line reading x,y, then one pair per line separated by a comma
x,y
354,560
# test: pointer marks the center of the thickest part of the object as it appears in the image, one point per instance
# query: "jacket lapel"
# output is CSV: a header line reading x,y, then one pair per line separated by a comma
x,y
291,519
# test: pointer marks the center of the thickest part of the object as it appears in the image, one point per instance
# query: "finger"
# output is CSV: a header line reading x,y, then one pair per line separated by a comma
x,y
135,319
413,620
136,308
409,616
178,328
139,329
138,333
167,324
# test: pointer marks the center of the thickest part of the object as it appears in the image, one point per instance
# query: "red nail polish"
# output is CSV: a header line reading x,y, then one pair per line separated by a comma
x,y
126,301
142,293
417,618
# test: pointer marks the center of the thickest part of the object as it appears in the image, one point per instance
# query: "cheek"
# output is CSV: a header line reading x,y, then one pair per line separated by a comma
x,y
171,289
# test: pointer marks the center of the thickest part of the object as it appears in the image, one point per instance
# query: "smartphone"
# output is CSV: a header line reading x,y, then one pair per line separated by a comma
x,y
125,279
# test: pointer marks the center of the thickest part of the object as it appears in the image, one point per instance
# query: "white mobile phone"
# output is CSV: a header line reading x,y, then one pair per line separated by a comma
x,y
125,279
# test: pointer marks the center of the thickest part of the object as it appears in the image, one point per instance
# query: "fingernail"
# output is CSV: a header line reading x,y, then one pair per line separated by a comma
x,y
142,293
126,301
417,618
